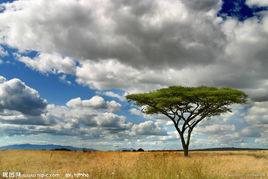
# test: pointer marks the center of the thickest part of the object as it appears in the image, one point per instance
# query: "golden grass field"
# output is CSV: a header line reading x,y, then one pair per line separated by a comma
x,y
136,165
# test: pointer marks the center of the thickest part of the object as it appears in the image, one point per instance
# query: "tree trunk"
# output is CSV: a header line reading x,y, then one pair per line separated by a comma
x,y
184,146
185,150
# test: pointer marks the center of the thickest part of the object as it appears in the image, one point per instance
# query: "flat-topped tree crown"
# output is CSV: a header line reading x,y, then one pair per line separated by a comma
x,y
187,106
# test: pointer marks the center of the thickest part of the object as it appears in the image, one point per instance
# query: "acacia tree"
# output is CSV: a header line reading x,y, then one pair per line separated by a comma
x,y
188,106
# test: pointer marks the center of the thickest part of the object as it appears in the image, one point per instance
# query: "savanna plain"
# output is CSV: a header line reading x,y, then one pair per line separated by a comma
x,y
137,165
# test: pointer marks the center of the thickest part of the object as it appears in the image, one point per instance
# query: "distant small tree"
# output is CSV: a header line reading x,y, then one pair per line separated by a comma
x,y
188,106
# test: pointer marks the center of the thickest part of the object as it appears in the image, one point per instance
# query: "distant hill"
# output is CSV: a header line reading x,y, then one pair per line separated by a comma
x,y
71,148
43,147
217,149
227,149
126,149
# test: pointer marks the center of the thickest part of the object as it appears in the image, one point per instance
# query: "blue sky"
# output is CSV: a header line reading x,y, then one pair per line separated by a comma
x,y
50,86
241,10
80,65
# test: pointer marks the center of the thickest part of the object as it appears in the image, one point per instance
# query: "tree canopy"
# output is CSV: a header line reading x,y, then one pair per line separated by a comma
x,y
187,106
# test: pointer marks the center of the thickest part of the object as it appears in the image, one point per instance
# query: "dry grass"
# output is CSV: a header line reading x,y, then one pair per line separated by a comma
x,y
138,165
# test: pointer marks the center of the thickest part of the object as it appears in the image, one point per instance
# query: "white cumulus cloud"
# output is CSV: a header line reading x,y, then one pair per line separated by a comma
x,y
16,95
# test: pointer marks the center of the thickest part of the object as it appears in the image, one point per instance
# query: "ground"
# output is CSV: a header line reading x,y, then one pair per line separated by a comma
x,y
136,165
